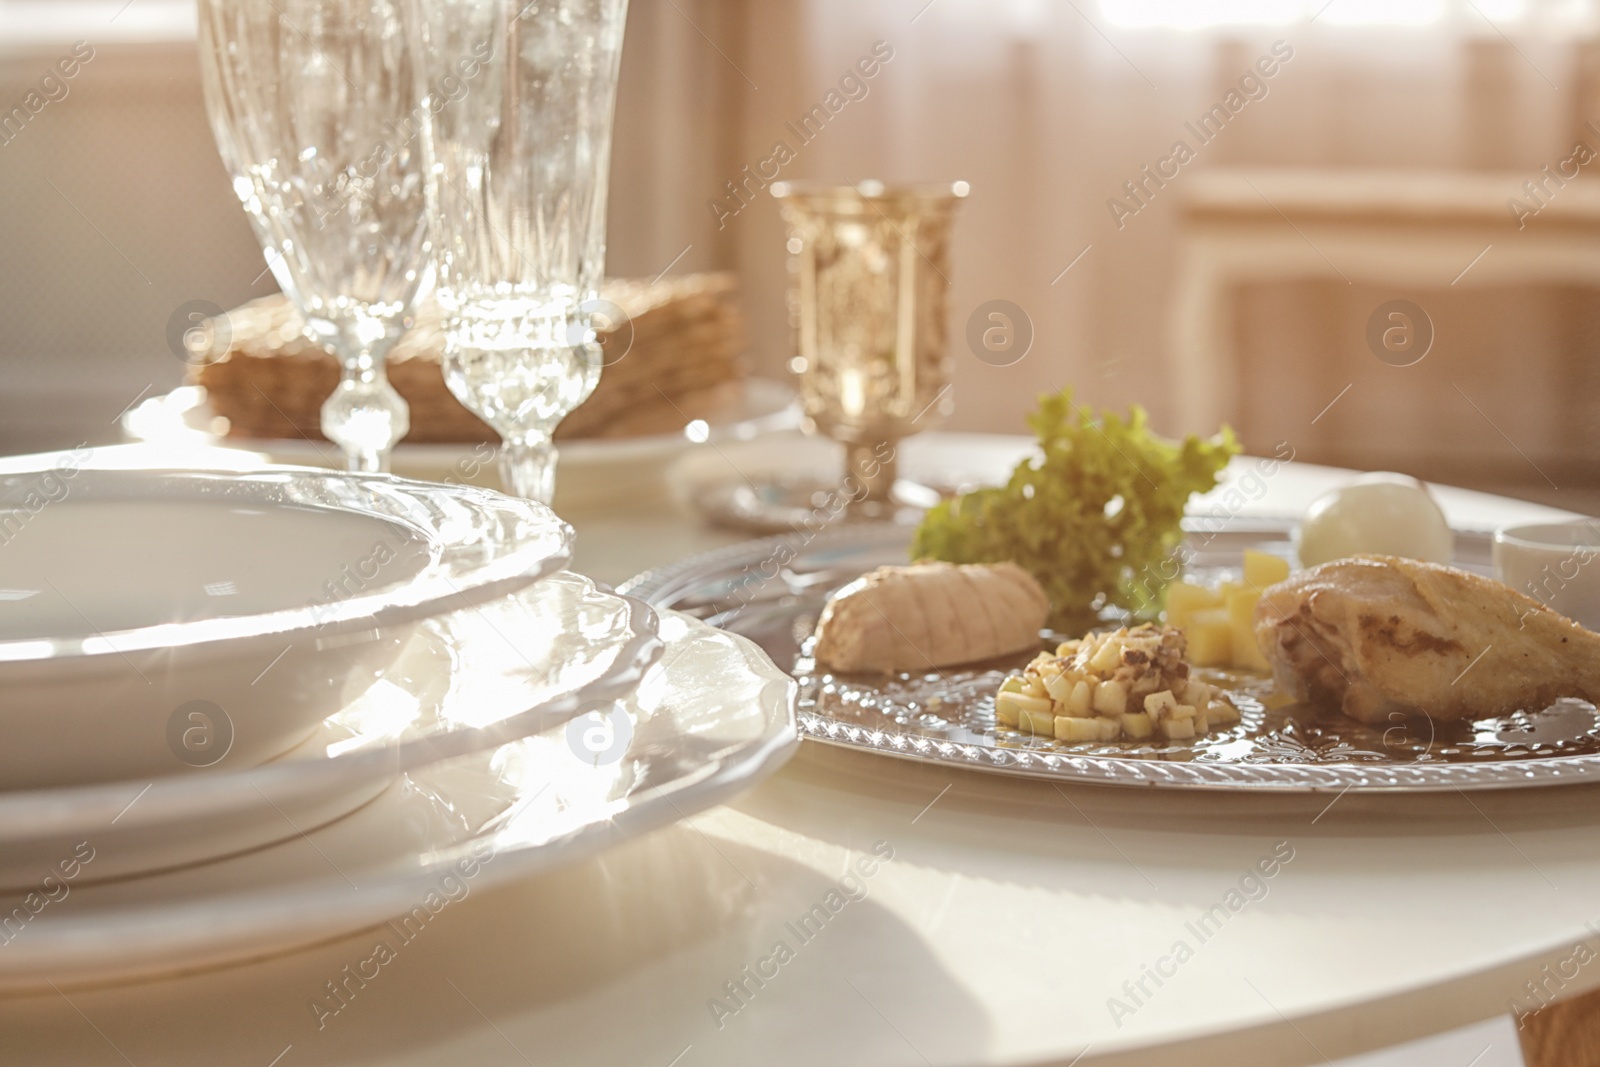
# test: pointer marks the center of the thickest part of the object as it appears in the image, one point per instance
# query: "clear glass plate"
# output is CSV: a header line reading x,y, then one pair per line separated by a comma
x,y
465,682
947,716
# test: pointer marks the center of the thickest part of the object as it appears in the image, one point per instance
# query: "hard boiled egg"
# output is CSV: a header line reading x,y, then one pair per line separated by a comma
x,y
1383,514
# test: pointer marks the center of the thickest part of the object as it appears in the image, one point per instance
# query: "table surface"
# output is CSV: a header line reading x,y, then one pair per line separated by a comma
x,y
1004,921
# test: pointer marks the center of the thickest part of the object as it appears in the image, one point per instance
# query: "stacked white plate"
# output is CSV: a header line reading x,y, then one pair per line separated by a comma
x,y
243,712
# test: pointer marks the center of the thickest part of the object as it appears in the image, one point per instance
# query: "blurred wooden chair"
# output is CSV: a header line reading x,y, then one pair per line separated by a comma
x,y
1407,229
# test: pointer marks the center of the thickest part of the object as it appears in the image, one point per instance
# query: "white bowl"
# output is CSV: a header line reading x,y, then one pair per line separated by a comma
x,y
156,621
1556,563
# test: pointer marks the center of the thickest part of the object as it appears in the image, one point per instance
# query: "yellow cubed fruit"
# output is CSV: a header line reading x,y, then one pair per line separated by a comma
x,y
1137,726
1246,653
1210,636
1106,658
1012,709
1160,705
1182,711
1110,698
1059,686
1185,598
1262,569
1242,617
1178,729
1078,702
1242,606
1031,721
1071,728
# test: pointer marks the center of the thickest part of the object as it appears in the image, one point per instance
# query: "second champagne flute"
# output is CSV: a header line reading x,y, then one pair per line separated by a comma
x,y
517,198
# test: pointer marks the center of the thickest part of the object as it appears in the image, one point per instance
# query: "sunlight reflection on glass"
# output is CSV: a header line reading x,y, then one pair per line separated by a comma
x,y
383,712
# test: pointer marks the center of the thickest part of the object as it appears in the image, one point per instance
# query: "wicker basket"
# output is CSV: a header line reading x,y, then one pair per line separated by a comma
x,y
684,360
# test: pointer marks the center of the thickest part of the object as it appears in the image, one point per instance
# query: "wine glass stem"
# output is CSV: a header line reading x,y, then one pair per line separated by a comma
x,y
367,461
870,468
364,415
362,376
528,467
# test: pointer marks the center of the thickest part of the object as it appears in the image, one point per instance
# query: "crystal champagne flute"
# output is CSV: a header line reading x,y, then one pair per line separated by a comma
x,y
517,173
316,112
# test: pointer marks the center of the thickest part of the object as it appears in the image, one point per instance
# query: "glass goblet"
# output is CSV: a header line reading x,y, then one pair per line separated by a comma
x,y
517,175
869,279
315,110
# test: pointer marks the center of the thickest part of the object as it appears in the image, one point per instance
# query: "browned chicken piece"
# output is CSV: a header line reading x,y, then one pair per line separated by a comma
x,y
930,615
1379,635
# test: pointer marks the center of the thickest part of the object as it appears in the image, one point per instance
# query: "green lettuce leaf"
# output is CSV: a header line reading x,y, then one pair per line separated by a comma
x,y
1096,518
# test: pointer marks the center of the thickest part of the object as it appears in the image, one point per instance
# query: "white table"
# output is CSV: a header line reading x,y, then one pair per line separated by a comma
x,y
1009,914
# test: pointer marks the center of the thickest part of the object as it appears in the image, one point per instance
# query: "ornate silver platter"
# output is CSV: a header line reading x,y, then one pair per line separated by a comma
x,y
772,591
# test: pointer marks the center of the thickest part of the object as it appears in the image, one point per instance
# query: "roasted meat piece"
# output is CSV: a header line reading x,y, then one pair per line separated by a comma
x,y
930,615
1380,635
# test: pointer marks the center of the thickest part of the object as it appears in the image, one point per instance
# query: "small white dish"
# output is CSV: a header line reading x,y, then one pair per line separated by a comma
x,y
465,682
710,720
157,621
1556,563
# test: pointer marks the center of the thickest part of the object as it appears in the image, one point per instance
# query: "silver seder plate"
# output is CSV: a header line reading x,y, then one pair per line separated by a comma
x,y
772,591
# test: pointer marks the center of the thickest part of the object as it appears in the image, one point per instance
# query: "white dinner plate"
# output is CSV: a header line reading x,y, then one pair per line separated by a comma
x,y
156,621
465,682
593,468
712,718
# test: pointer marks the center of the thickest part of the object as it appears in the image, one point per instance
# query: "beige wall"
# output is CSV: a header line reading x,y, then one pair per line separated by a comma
x,y
116,210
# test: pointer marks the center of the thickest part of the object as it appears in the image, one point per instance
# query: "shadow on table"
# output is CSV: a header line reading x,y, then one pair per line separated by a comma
x,y
1362,887
662,951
